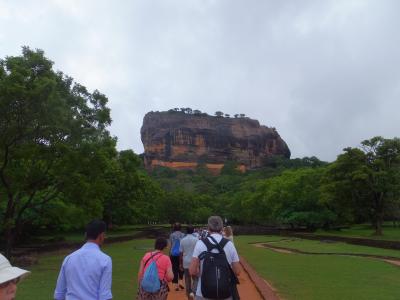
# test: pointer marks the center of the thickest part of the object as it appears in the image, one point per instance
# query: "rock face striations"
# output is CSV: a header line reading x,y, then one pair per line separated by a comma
x,y
183,141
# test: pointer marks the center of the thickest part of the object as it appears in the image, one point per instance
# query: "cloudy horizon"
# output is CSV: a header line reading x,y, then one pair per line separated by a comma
x,y
326,74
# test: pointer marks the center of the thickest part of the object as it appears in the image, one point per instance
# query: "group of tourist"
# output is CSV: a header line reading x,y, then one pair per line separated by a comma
x,y
86,274
185,260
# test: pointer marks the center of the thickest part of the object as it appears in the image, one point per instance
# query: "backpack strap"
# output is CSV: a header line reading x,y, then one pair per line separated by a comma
x,y
208,244
152,256
220,247
223,242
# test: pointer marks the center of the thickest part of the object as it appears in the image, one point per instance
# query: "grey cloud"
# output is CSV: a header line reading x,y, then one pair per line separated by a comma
x,y
324,73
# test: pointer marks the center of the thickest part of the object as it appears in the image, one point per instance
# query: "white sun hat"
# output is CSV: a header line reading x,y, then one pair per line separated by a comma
x,y
8,272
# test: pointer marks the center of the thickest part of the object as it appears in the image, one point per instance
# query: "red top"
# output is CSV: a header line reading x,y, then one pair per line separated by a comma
x,y
163,262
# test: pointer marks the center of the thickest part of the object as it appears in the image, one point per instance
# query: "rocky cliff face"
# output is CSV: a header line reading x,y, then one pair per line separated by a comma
x,y
182,141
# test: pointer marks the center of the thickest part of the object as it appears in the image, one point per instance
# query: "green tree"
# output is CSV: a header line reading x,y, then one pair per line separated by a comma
x,y
293,198
367,179
53,141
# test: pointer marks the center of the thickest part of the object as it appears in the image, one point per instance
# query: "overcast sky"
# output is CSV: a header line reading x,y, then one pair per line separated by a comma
x,y
326,74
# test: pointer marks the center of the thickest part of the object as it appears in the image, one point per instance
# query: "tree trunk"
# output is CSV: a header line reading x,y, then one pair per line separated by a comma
x,y
8,225
9,241
378,224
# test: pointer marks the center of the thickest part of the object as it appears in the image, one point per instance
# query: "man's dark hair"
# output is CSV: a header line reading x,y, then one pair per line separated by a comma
x,y
160,243
94,229
177,226
189,229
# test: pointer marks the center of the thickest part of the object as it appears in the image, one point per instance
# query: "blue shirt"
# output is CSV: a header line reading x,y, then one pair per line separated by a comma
x,y
85,275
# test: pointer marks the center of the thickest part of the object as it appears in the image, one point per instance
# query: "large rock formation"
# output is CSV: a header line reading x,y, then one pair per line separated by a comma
x,y
178,140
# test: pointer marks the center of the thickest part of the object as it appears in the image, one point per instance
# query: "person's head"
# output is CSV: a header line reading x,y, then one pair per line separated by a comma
x,y
177,226
215,224
95,231
9,277
189,229
228,231
160,243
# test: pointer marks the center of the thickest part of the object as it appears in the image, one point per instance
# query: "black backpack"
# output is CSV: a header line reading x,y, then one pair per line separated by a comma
x,y
216,276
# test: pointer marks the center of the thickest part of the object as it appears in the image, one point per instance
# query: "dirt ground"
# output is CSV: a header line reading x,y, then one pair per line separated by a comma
x,y
247,290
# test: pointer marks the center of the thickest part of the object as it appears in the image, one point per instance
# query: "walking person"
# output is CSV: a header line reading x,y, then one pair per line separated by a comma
x,y
211,247
164,269
9,278
86,273
186,249
175,239
228,233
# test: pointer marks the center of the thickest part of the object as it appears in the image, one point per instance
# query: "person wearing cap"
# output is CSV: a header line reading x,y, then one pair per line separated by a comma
x,y
9,277
86,273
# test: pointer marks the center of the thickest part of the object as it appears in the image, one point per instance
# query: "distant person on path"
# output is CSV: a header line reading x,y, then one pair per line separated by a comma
x,y
164,268
9,277
215,226
175,240
228,233
86,273
186,249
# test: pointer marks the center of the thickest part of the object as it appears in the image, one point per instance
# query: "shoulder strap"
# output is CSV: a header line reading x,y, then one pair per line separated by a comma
x,y
152,256
223,242
220,246
208,244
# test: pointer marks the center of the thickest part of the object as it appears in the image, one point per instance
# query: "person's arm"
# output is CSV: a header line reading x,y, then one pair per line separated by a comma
x,y
181,261
61,287
140,273
194,268
236,267
170,274
181,256
234,258
105,282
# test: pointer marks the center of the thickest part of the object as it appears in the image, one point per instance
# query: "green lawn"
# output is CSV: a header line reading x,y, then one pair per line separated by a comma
x,y
126,257
296,276
332,247
365,231
319,277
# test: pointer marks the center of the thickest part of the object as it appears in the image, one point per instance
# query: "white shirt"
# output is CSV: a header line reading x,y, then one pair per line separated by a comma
x,y
186,247
229,249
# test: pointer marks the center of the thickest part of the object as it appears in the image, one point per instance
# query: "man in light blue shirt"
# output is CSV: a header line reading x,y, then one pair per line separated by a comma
x,y
86,273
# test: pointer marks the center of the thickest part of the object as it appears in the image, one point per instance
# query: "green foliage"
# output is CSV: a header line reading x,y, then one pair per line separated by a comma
x,y
365,182
59,166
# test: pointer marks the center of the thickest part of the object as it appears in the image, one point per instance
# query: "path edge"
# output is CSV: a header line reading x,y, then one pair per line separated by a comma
x,y
265,289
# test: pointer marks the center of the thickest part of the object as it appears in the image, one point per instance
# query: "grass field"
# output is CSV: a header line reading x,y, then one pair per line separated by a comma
x,y
296,276
126,257
332,247
319,277
365,231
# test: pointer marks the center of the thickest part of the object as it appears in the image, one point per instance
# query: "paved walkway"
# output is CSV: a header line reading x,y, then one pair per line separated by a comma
x,y
247,289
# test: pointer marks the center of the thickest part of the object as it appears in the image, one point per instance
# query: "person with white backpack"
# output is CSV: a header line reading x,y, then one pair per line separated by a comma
x,y
155,272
